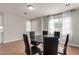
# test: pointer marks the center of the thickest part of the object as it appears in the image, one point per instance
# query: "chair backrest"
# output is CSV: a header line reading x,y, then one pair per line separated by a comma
x,y
50,46
65,45
67,39
57,34
45,32
26,42
32,35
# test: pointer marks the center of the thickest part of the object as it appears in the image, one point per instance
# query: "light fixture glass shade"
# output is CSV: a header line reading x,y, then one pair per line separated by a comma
x,y
30,7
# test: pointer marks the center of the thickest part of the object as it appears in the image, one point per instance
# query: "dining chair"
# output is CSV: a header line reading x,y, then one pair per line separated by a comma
x,y
64,50
57,34
45,32
32,37
50,46
26,42
28,49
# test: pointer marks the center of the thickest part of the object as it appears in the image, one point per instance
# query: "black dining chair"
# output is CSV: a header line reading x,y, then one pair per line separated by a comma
x,y
28,49
50,46
57,34
32,37
64,51
45,33
26,42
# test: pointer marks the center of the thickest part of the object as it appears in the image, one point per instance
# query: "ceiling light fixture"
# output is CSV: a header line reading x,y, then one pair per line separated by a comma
x,y
30,7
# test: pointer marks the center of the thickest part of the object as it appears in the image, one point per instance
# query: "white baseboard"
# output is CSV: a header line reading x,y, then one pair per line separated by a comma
x,y
71,44
75,45
12,40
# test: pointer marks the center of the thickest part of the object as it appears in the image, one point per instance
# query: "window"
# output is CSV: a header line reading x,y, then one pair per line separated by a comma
x,y
1,25
1,28
55,25
66,25
51,26
60,23
28,26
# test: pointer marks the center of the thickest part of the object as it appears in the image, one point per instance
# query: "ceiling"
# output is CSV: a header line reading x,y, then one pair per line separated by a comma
x,y
41,9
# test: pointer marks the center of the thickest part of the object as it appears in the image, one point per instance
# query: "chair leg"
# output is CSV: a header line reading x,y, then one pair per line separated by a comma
x,y
40,53
65,50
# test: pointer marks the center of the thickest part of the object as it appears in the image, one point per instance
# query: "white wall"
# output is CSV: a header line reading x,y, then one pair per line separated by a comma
x,y
14,27
75,27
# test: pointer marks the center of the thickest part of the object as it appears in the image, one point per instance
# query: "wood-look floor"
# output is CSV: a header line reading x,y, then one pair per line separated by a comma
x,y
17,48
